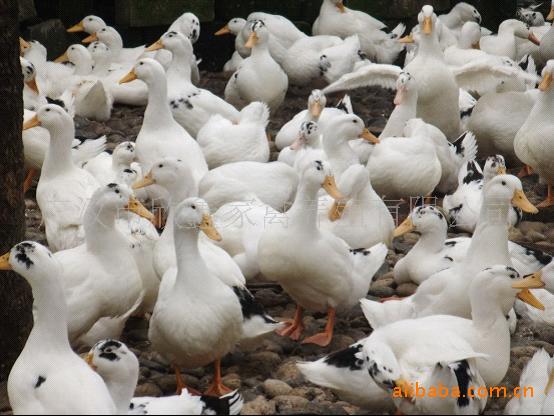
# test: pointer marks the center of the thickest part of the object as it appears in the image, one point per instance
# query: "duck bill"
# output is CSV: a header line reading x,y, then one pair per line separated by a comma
x,y
33,122
32,84
316,109
208,228
90,39
532,38
526,296
532,281
370,137
252,40
298,143
62,58
5,262
520,201
136,207
337,210
131,76
407,39
79,27
223,31
400,96
330,187
546,83
340,6
23,45
428,25
89,359
501,170
144,182
406,387
407,226
155,46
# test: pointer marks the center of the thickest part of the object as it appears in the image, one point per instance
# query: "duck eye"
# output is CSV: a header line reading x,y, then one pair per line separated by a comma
x,y
504,183
193,206
354,121
160,165
47,110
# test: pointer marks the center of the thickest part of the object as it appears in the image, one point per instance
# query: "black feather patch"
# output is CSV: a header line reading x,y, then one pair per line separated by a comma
x,y
467,112
346,358
540,256
219,406
39,382
250,306
363,251
473,173
450,243
461,370
54,101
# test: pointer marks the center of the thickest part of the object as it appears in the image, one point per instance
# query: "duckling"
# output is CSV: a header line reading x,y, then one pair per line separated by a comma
x,y
41,376
329,276
61,180
224,142
259,78
119,367
191,107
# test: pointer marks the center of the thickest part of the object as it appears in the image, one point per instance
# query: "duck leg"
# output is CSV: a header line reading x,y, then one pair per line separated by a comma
x,y
324,338
525,171
181,384
29,180
549,201
217,388
294,328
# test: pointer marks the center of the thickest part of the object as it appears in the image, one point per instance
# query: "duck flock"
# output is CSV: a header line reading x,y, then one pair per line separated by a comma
x,y
318,223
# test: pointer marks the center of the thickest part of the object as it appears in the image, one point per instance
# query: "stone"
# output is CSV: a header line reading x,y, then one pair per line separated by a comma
x,y
381,291
145,13
259,406
289,372
232,381
535,236
526,226
290,403
406,289
275,388
148,389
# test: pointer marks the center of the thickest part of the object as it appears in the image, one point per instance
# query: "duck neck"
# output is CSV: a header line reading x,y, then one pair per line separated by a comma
x,y
303,213
487,312
179,69
101,235
157,111
432,241
58,158
50,320
339,152
430,47
489,244
544,108
122,390
400,116
260,51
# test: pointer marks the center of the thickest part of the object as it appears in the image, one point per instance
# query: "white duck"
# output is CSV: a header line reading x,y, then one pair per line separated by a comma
x,y
89,24
119,368
306,147
47,368
329,276
362,219
336,139
273,183
317,111
160,135
108,166
223,141
100,277
464,205
259,78
32,98
475,352
191,106
443,293
119,55
536,377
467,48
64,189
531,143
236,27
209,311
402,167
460,15
505,43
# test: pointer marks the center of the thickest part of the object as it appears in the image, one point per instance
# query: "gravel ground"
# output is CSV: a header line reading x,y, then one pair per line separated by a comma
x,y
267,376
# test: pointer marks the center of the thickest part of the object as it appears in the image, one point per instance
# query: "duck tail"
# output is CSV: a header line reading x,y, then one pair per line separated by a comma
x,y
380,314
230,404
367,262
88,149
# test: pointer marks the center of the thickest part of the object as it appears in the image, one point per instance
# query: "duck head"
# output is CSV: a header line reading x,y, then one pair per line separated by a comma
x,y
29,74
75,53
169,173
147,70
427,20
319,174
194,213
507,189
467,13
234,27
495,165
423,220
31,260
383,367
351,127
470,35
107,35
113,198
545,275
113,360
308,135
404,85
259,34
52,117
189,25
89,24
124,153
174,42
316,103
547,77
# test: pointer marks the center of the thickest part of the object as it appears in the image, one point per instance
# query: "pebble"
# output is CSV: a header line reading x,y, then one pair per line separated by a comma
x,y
527,226
289,372
290,403
535,236
148,389
275,388
259,406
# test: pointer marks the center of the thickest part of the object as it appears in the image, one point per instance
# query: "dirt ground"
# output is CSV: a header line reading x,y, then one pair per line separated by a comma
x,y
255,372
